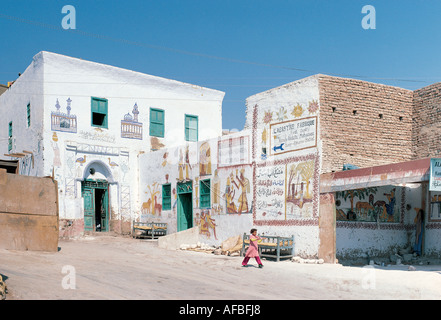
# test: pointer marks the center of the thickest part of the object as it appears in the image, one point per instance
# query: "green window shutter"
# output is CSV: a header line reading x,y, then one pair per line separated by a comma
x,y
191,128
28,114
157,122
205,193
99,112
166,197
10,137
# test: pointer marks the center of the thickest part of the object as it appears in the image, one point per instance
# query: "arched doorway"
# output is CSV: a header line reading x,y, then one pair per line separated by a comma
x,y
95,192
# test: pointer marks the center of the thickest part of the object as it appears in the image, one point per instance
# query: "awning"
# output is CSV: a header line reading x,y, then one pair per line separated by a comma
x,y
391,174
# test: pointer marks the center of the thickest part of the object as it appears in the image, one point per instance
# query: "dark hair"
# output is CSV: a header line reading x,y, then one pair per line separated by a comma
x,y
252,230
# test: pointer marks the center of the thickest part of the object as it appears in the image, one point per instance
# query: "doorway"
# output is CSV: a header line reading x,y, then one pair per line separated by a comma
x,y
185,206
96,205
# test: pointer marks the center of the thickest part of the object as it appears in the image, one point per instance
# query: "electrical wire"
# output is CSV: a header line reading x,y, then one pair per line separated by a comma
x,y
185,52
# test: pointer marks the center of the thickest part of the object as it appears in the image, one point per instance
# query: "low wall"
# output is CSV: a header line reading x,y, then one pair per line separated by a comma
x,y
173,241
28,212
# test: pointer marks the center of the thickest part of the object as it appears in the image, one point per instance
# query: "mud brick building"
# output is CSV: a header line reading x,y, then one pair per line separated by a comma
x,y
364,123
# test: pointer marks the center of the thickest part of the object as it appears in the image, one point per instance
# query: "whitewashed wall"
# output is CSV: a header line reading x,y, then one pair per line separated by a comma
x,y
53,79
226,217
27,89
286,184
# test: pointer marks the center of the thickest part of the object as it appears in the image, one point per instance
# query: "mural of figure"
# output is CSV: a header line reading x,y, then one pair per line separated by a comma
x,y
390,206
216,188
419,221
181,166
196,188
206,223
204,159
187,163
57,161
245,188
229,196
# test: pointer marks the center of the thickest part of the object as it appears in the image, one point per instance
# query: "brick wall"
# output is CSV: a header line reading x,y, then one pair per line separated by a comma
x,y
363,123
426,138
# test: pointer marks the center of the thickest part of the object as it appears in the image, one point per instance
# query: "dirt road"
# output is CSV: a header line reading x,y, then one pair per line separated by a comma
x,y
119,268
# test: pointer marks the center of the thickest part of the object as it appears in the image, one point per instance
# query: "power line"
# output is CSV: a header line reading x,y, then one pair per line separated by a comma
x,y
185,52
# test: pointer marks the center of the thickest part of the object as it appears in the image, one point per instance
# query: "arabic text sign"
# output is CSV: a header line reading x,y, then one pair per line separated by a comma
x,y
293,135
270,191
435,174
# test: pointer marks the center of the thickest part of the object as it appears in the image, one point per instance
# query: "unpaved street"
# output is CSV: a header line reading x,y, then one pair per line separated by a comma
x,y
119,268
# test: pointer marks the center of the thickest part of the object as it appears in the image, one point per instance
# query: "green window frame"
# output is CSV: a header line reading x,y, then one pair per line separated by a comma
x,y
10,136
166,196
28,114
157,122
99,112
191,128
204,194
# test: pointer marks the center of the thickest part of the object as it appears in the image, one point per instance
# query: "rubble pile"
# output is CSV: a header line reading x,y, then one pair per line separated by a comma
x,y
230,247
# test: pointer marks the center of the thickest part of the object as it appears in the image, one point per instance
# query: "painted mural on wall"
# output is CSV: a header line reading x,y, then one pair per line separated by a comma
x,y
233,151
376,204
65,122
232,190
205,159
435,206
299,193
184,165
286,191
207,224
152,205
130,126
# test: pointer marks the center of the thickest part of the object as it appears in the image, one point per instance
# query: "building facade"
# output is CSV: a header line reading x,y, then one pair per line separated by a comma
x,y
86,123
301,136
125,147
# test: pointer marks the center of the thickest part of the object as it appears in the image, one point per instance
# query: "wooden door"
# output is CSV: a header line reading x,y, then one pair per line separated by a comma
x,y
185,211
89,209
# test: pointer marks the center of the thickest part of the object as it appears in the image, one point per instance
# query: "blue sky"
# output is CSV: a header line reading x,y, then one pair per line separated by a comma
x,y
241,47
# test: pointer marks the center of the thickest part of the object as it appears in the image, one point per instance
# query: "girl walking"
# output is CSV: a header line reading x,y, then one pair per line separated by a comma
x,y
253,251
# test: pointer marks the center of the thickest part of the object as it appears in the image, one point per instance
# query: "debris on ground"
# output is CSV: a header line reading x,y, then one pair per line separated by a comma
x,y
230,247
298,259
199,247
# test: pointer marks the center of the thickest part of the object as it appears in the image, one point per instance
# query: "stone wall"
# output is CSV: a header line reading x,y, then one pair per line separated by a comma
x,y
363,123
426,140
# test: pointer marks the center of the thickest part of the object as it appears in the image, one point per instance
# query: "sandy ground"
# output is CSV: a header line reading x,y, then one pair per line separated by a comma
x,y
120,268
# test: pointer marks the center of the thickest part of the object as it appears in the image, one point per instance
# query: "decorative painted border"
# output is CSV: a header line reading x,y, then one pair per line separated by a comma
x,y
315,187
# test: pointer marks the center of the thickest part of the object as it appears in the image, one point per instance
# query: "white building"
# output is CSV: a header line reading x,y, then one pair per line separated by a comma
x,y
86,123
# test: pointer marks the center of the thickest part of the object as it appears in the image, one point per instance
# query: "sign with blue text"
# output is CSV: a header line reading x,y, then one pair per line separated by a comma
x,y
435,174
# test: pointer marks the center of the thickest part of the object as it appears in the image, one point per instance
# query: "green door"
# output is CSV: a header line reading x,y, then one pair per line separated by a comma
x,y
89,209
96,205
185,206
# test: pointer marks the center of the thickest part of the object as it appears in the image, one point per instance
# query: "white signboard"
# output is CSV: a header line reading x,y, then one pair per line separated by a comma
x,y
293,135
435,174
